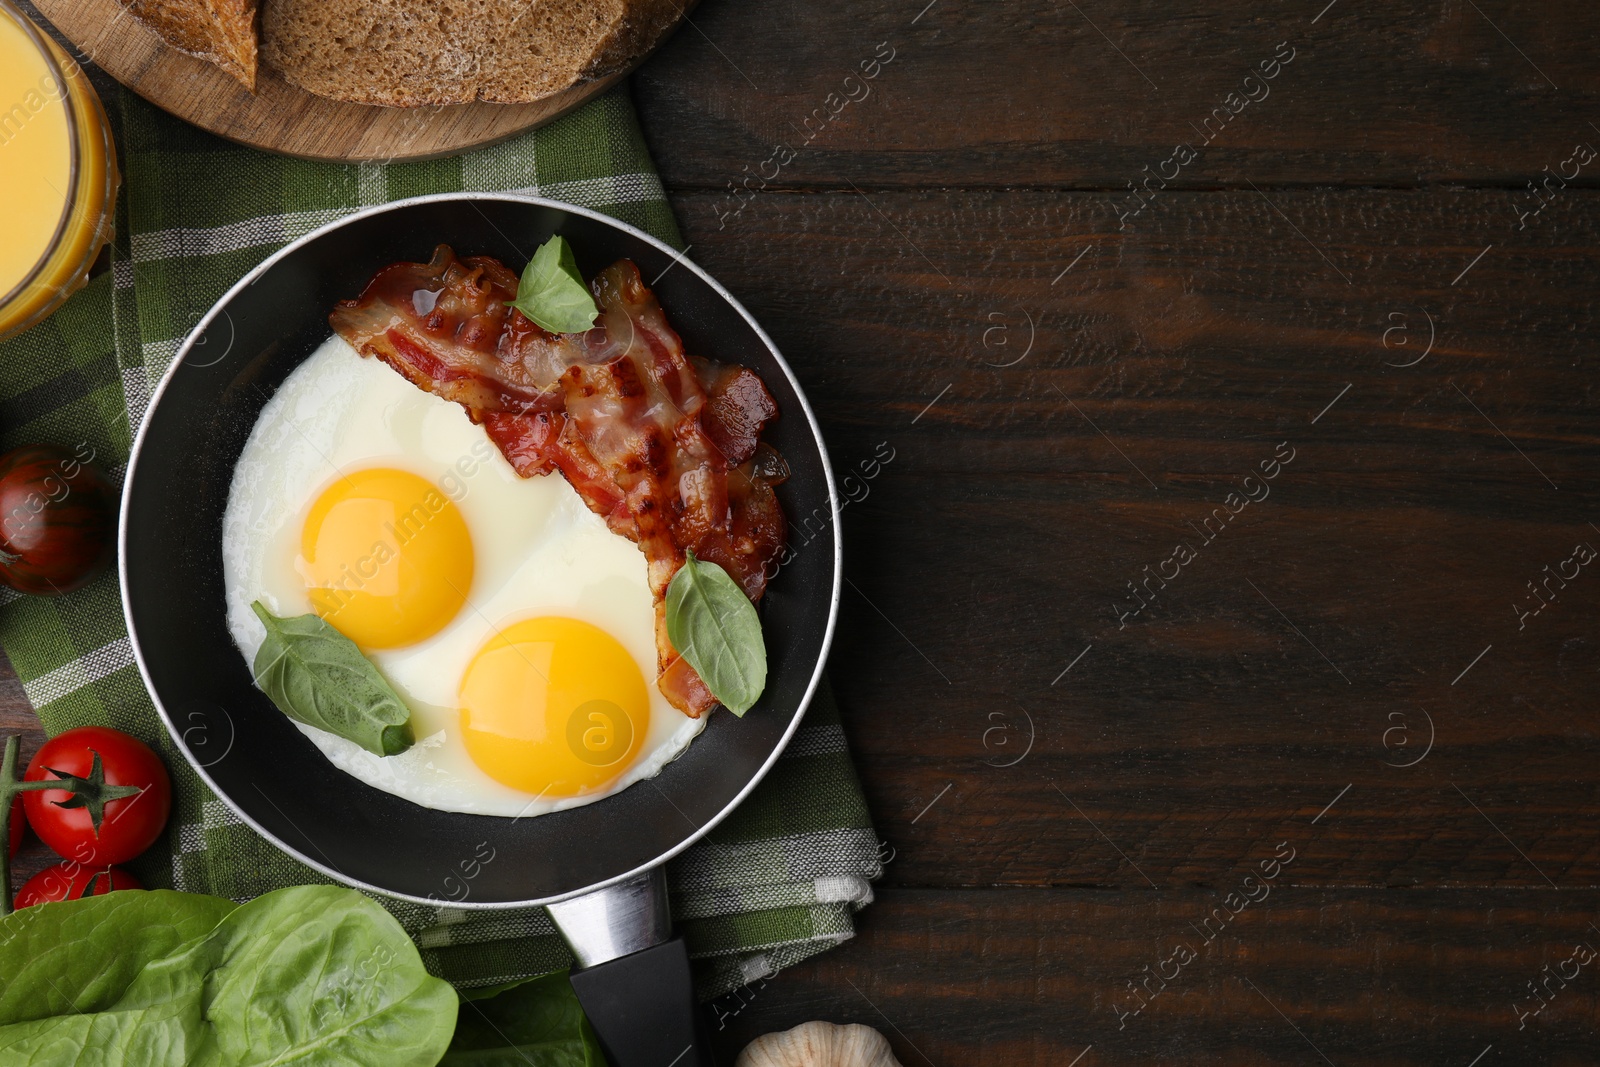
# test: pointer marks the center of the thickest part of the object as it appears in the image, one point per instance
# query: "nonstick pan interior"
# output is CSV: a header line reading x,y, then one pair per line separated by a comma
x,y
254,757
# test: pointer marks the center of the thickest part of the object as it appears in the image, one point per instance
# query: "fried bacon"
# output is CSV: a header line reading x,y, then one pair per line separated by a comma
x,y
665,447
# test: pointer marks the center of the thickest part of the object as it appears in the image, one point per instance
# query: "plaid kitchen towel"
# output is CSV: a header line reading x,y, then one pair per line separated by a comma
x,y
777,882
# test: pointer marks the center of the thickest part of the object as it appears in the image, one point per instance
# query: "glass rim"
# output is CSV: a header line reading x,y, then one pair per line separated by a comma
x,y
39,40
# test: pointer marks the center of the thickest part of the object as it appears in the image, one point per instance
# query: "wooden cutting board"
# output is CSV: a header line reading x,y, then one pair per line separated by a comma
x,y
280,117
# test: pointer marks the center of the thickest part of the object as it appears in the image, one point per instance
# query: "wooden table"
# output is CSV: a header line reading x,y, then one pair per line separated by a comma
x,y
1220,643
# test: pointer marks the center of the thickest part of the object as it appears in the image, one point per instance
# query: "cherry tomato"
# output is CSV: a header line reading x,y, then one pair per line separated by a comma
x,y
106,764
69,881
56,519
17,823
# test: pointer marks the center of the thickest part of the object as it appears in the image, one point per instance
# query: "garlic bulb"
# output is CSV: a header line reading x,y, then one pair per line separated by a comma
x,y
819,1044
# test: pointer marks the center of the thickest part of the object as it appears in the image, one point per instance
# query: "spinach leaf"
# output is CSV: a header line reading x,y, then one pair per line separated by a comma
x,y
551,291
321,974
311,976
537,1023
48,957
318,676
714,625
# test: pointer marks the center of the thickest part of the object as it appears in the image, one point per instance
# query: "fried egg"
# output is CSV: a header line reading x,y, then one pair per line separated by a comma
x,y
517,627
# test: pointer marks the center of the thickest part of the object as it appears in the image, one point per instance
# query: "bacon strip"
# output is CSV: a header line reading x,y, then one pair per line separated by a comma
x,y
665,447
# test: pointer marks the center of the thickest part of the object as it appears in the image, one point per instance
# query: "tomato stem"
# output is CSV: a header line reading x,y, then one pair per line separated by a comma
x,y
90,791
8,780
9,788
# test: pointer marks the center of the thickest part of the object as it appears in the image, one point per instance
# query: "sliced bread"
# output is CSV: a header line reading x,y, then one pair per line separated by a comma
x,y
398,53
545,46
221,31
410,53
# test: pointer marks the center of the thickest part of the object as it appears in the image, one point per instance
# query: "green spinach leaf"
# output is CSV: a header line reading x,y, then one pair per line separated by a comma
x,y
714,625
551,291
310,976
537,1023
318,676
49,957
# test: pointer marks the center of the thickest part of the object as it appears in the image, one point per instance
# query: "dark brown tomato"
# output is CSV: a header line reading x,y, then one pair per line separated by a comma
x,y
57,517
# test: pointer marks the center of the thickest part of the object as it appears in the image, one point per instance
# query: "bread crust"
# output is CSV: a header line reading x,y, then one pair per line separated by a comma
x,y
417,53
222,32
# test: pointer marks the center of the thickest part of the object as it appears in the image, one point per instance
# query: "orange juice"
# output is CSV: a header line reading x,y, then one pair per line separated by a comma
x,y
58,175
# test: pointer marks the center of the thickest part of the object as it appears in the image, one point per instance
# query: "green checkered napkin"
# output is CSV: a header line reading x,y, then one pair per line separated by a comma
x,y
780,878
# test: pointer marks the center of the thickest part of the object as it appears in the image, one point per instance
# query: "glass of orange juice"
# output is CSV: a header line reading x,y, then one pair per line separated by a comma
x,y
58,174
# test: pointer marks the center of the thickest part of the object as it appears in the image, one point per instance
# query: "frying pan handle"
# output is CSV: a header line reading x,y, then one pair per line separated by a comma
x,y
643,1009
632,981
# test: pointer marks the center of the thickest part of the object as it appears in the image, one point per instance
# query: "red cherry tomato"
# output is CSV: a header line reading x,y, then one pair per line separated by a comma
x,y
17,823
69,881
127,824
56,519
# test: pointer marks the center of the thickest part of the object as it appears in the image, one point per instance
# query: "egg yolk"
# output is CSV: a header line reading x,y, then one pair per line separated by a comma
x,y
553,707
386,557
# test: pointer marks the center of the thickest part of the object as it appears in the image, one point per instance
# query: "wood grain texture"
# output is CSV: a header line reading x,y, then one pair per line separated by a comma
x,y
1035,977
1032,482
1314,635
280,116
1022,92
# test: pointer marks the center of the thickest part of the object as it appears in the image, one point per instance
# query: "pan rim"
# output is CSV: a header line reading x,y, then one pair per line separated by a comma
x,y
322,232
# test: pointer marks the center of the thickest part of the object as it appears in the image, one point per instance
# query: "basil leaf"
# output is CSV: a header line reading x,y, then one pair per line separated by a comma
x,y
551,291
714,625
317,675
311,975
536,1023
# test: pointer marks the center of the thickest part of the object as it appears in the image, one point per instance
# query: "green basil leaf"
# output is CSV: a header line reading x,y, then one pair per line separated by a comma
x,y
310,975
536,1023
714,625
551,291
317,675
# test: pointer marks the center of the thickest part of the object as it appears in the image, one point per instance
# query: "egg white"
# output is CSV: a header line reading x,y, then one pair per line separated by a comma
x,y
538,551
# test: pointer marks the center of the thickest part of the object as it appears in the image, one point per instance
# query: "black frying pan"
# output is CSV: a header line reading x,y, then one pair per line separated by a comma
x,y
603,860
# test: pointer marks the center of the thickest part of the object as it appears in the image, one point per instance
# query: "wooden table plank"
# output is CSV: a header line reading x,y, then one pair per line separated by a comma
x,y
1015,93
1310,642
1034,977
